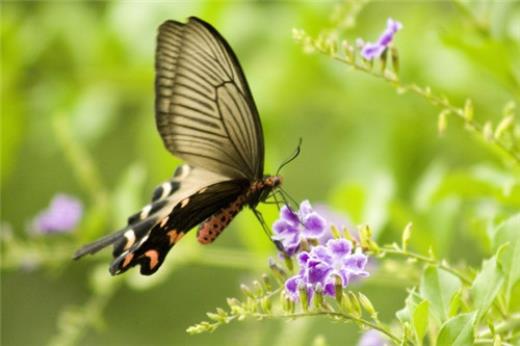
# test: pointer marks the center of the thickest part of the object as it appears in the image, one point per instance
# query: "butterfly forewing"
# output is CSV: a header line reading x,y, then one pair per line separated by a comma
x,y
204,110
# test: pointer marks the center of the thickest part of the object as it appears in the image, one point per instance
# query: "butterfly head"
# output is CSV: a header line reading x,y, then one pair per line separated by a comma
x,y
264,187
273,181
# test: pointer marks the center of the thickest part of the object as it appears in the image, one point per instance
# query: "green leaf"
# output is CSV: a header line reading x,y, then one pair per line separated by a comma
x,y
415,314
420,320
455,303
486,286
457,331
508,232
478,182
438,287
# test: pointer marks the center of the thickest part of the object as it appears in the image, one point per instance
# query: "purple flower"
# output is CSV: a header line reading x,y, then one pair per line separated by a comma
x,y
326,266
371,50
294,227
62,215
372,338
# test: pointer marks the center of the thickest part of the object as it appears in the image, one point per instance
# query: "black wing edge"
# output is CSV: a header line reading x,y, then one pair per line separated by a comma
x,y
99,244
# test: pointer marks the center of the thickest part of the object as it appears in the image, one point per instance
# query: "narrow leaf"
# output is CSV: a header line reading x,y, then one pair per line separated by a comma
x,y
420,320
508,232
486,286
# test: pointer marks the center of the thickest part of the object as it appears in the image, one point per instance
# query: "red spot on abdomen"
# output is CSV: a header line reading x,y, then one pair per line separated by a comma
x,y
210,229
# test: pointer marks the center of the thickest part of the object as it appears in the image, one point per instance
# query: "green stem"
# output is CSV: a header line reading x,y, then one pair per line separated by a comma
x,y
490,342
432,261
343,316
426,93
512,323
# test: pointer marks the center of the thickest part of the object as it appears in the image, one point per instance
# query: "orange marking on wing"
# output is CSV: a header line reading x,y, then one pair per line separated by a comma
x,y
153,255
174,236
127,260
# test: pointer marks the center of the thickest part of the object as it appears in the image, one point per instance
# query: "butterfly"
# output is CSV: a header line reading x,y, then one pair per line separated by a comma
x,y
206,116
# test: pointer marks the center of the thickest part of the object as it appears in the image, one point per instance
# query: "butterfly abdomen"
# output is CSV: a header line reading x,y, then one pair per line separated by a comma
x,y
211,228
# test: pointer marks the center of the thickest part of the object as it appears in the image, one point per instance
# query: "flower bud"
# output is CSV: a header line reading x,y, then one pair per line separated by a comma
x,y
395,59
318,296
266,282
405,238
259,289
356,306
346,304
279,274
338,287
304,296
335,232
246,291
288,262
266,304
367,305
468,110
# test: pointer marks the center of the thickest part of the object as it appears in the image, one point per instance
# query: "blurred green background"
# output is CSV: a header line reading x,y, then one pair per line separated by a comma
x,y
77,117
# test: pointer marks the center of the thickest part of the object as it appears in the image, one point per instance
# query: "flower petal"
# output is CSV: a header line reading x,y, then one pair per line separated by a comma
x,y
288,215
317,271
330,289
291,287
372,51
356,262
322,253
303,258
305,208
314,225
340,247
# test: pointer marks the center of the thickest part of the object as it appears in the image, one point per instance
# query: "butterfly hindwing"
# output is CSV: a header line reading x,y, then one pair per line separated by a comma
x,y
150,250
185,182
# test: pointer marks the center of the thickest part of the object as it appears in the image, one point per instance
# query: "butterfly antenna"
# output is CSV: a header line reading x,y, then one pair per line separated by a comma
x,y
292,157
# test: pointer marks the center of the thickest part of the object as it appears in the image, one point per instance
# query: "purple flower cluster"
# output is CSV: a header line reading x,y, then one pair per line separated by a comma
x,y
324,266
293,228
62,215
371,50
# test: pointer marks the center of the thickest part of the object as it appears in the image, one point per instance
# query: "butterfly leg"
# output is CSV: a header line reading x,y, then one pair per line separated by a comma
x,y
260,218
